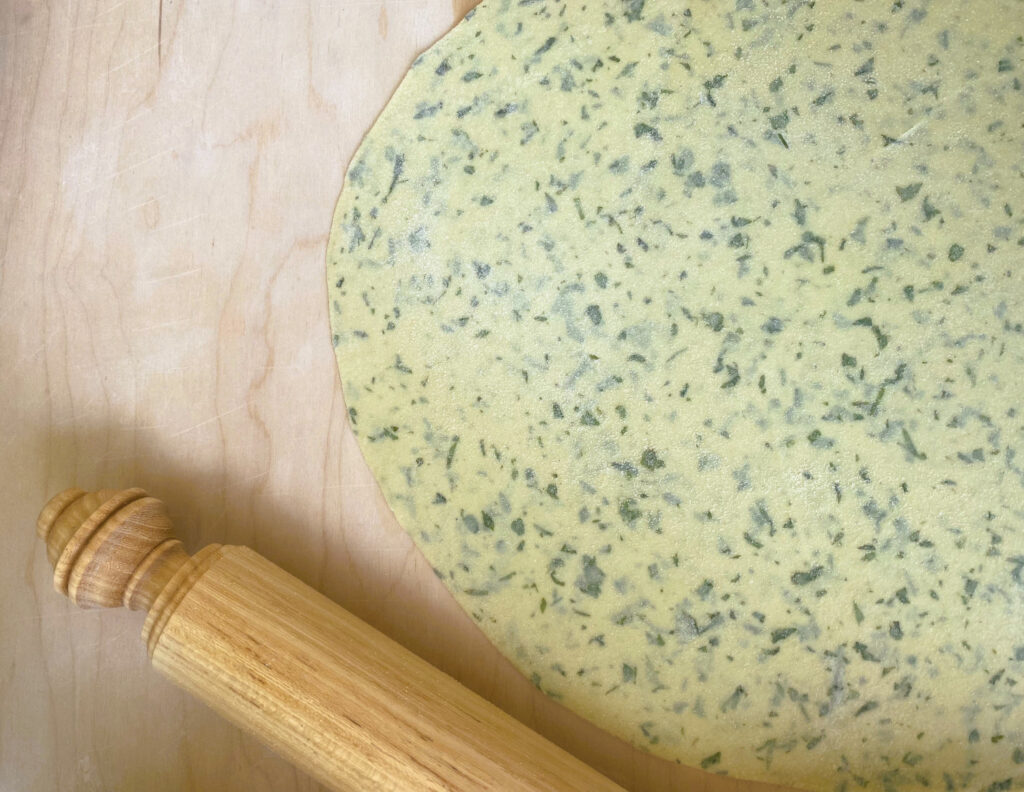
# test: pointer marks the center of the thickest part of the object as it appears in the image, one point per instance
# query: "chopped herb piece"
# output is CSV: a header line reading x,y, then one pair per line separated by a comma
x,y
803,578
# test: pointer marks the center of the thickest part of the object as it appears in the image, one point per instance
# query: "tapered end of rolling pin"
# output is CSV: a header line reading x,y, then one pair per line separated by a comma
x,y
282,661
109,548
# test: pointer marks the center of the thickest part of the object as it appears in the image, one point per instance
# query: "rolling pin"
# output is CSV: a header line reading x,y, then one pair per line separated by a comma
x,y
341,700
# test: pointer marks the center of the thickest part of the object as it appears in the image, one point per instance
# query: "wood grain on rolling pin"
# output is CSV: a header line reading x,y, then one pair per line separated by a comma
x,y
168,172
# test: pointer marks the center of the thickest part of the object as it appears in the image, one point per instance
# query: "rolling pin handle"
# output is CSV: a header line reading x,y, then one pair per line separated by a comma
x,y
318,685
110,548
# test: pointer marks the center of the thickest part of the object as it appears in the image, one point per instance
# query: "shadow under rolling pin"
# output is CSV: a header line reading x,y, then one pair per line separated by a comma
x,y
321,687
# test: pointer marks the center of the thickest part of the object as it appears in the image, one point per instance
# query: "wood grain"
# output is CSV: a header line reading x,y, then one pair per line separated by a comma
x,y
168,172
341,699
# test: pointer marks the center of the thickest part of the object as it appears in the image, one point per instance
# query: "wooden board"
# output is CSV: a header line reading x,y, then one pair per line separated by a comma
x,y
168,172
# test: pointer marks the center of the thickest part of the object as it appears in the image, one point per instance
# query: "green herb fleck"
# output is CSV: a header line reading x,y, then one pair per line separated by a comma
x,y
711,761
910,448
803,578
782,633
629,511
909,191
871,705
649,459
646,130
589,582
451,451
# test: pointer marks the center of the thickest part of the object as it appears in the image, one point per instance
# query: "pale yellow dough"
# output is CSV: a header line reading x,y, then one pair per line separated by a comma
x,y
686,341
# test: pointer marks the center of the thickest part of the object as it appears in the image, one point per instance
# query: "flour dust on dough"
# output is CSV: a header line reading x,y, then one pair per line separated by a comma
x,y
687,342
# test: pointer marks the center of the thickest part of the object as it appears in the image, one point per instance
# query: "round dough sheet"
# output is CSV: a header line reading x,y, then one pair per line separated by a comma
x,y
686,342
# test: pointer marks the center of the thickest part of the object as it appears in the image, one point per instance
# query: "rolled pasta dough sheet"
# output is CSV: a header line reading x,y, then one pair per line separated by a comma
x,y
686,342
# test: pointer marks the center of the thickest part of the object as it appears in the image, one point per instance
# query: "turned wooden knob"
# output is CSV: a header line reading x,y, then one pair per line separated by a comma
x,y
114,547
109,548
323,688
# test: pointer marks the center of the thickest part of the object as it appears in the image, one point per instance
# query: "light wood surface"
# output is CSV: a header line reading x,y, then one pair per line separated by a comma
x,y
324,689
168,172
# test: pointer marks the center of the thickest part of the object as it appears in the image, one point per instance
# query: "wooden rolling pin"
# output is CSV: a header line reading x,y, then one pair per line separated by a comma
x,y
318,685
